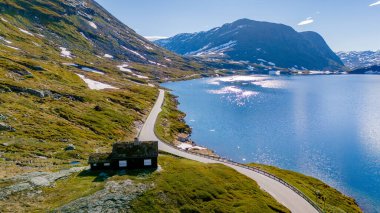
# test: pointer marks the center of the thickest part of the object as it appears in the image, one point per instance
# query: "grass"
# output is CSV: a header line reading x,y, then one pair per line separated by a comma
x,y
170,121
45,126
188,186
328,198
181,186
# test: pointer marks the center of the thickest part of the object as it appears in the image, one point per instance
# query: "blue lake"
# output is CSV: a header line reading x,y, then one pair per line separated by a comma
x,y
324,126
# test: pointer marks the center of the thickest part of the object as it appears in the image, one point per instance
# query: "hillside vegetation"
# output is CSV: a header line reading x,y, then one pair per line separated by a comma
x,y
179,185
170,122
328,198
53,57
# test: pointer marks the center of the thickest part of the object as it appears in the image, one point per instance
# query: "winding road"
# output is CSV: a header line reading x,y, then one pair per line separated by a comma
x,y
284,195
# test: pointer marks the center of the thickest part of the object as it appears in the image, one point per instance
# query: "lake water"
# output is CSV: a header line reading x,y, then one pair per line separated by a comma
x,y
324,126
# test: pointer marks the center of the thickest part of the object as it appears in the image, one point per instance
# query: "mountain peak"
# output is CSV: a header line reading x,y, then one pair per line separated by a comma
x,y
255,42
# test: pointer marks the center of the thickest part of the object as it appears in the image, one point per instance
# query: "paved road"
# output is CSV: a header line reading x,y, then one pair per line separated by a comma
x,y
280,192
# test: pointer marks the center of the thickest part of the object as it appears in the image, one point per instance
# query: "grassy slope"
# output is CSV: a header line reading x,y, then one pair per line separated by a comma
x,y
328,198
170,121
181,186
190,186
45,126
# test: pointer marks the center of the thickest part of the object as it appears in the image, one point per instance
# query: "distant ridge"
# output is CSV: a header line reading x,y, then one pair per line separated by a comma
x,y
359,59
367,70
257,42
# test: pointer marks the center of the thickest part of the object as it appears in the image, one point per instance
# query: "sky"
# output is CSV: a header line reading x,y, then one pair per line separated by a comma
x,y
346,25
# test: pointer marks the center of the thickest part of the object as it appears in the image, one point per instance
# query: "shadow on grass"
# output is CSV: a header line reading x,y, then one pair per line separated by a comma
x,y
103,175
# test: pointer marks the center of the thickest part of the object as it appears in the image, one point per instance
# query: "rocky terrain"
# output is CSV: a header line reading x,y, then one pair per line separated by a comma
x,y
80,32
115,197
73,75
29,183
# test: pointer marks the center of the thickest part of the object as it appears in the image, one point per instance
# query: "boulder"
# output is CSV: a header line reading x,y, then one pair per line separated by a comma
x,y
64,140
3,117
6,127
98,108
40,181
22,72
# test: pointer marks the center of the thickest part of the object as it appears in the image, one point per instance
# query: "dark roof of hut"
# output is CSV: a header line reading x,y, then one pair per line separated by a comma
x,y
135,149
100,158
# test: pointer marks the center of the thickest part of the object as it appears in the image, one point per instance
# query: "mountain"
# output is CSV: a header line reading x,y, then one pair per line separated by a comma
x,y
375,69
73,77
358,59
82,32
257,42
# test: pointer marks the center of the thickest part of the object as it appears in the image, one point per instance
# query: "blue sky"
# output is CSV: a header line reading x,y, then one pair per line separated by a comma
x,y
346,25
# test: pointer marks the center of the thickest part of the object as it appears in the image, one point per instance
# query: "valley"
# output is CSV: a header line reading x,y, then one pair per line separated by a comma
x,y
74,79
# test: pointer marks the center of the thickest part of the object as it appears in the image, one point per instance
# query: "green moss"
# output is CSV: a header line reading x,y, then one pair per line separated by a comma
x,y
328,198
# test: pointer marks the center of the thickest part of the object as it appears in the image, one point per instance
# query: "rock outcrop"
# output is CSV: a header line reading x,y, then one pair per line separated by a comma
x,y
6,127
32,181
114,198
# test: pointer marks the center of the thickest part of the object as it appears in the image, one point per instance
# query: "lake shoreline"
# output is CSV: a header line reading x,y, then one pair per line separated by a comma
x,y
212,78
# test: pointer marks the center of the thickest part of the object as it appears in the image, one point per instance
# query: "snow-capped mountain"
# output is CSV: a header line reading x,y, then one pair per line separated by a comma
x,y
257,42
358,59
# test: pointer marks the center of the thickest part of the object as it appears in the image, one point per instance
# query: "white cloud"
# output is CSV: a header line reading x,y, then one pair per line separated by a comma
x,y
309,20
375,4
154,38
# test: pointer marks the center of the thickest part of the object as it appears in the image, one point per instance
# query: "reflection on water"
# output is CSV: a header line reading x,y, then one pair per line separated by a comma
x,y
324,126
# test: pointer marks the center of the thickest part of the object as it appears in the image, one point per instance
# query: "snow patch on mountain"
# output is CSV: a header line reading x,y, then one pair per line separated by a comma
x,y
95,85
65,52
209,50
93,25
134,52
15,48
124,68
5,40
84,36
4,20
148,47
141,76
26,32
156,63
108,56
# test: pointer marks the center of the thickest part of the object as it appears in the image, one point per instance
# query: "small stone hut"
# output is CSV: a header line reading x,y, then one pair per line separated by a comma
x,y
127,155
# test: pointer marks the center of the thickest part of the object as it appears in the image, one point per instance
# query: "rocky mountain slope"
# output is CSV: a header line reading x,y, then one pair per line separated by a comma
x,y
73,80
359,59
82,32
257,42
